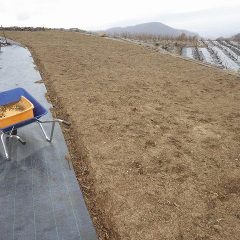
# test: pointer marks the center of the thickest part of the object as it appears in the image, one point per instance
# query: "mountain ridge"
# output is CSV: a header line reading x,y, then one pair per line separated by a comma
x,y
152,28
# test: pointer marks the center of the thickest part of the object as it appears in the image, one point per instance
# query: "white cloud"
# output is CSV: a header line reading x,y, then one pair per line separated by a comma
x,y
23,16
95,14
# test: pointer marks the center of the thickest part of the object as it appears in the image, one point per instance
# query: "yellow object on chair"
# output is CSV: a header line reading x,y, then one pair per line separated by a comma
x,y
16,112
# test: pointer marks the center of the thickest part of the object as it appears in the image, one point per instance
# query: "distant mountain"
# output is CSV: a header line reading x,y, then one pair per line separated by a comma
x,y
153,28
236,37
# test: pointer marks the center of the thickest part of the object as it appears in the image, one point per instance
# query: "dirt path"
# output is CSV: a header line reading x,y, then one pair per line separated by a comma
x,y
157,147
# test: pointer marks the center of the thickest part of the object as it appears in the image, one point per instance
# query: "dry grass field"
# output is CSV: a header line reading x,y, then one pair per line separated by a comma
x,y
157,137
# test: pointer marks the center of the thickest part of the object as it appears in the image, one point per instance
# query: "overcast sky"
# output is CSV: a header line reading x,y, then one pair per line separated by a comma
x,y
209,18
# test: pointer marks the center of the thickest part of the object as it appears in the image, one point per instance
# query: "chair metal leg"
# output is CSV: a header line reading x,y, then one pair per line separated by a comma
x,y
49,139
13,134
44,132
18,138
4,146
9,136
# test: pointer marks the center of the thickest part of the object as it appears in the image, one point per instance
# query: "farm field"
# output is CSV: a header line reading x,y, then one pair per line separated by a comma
x,y
224,54
154,138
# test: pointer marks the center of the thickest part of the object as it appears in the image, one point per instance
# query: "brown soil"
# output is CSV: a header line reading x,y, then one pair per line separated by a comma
x,y
156,147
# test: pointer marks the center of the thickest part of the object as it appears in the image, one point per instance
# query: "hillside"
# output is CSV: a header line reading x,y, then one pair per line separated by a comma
x,y
152,28
154,138
236,37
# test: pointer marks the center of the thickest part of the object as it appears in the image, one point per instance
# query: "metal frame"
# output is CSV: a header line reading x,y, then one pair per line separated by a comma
x,y
9,135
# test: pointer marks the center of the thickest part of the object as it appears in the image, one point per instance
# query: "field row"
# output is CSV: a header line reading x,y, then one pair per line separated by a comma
x,y
224,54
